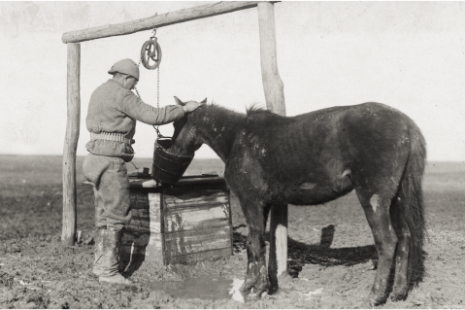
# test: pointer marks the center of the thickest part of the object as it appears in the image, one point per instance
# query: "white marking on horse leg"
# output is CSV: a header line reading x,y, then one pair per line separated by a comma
x,y
235,291
374,201
346,172
281,248
307,186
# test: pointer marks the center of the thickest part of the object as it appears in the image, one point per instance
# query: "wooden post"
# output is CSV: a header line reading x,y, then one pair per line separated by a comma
x,y
70,145
272,84
274,95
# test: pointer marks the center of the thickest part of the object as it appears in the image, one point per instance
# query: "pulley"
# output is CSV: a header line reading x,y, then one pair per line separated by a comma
x,y
150,54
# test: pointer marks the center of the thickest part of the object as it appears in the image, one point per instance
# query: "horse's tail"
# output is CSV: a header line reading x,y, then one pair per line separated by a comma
x,y
409,207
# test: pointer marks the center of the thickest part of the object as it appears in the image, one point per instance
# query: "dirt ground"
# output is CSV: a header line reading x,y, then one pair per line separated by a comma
x,y
330,250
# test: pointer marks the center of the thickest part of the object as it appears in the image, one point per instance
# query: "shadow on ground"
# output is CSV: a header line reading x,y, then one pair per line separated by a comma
x,y
322,254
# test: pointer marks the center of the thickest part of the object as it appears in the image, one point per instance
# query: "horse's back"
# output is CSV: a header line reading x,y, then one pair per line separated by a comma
x,y
337,147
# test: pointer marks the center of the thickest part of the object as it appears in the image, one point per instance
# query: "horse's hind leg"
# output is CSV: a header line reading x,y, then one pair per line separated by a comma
x,y
376,207
401,281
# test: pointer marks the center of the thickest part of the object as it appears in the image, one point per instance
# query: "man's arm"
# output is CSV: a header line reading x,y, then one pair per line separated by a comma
x,y
134,107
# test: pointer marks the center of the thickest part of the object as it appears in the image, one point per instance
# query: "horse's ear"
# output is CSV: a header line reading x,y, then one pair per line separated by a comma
x,y
178,101
204,101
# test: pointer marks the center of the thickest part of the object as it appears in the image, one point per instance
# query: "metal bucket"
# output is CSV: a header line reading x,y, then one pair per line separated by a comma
x,y
168,168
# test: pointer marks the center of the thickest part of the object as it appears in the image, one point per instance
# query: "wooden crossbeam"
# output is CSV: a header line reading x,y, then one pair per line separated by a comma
x,y
156,21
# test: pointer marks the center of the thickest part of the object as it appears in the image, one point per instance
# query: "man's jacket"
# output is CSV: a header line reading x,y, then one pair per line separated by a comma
x,y
114,109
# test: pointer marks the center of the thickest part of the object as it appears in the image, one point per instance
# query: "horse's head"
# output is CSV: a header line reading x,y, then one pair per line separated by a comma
x,y
185,138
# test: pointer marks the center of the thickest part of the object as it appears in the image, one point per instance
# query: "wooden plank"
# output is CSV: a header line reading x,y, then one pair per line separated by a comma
x,y
185,206
173,250
154,254
193,226
194,193
149,183
144,221
145,210
193,258
140,199
141,239
230,223
162,228
221,197
201,235
70,145
193,242
142,226
156,21
146,214
196,219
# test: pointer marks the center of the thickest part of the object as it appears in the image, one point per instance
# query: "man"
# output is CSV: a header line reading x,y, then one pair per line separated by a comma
x,y
111,121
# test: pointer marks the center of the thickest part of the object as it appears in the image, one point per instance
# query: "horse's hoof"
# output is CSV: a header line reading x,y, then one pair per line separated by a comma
x,y
283,281
253,296
273,289
398,295
374,301
246,288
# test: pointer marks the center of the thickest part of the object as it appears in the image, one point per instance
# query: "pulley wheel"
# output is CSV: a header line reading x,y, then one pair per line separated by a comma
x,y
150,54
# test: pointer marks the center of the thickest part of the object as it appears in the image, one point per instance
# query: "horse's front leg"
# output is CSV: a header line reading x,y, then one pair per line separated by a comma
x,y
256,280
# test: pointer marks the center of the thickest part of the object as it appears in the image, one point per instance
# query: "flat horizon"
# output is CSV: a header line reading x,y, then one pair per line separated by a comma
x,y
201,158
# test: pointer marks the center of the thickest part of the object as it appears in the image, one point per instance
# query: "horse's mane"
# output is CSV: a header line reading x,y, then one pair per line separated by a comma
x,y
259,115
221,111
256,115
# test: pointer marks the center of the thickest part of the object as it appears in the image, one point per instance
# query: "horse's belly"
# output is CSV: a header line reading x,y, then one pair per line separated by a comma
x,y
310,193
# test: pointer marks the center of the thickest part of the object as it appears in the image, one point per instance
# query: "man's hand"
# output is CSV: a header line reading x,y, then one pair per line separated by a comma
x,y
191,106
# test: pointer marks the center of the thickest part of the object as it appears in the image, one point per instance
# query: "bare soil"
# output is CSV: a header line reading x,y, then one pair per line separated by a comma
x,y
331,250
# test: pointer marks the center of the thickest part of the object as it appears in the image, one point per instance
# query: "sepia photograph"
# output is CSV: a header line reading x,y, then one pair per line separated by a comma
x,y
232,155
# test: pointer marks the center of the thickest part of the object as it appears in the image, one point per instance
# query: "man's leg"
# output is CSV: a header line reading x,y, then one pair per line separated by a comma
x,y
100,227
113,190
93,168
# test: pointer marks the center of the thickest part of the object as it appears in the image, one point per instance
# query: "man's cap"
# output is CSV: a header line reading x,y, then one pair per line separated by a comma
x,y
125,66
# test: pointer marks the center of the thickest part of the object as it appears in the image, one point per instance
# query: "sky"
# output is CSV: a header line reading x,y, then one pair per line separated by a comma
x,y
409,55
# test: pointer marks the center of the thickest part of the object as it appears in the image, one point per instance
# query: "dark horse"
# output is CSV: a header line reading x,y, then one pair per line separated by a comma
x,y
314,158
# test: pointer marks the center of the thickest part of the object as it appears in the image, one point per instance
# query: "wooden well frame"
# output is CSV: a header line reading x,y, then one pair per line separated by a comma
x,y
272,85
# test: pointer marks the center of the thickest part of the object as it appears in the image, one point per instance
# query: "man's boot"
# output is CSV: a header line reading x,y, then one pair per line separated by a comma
x,y
111,258
98,251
